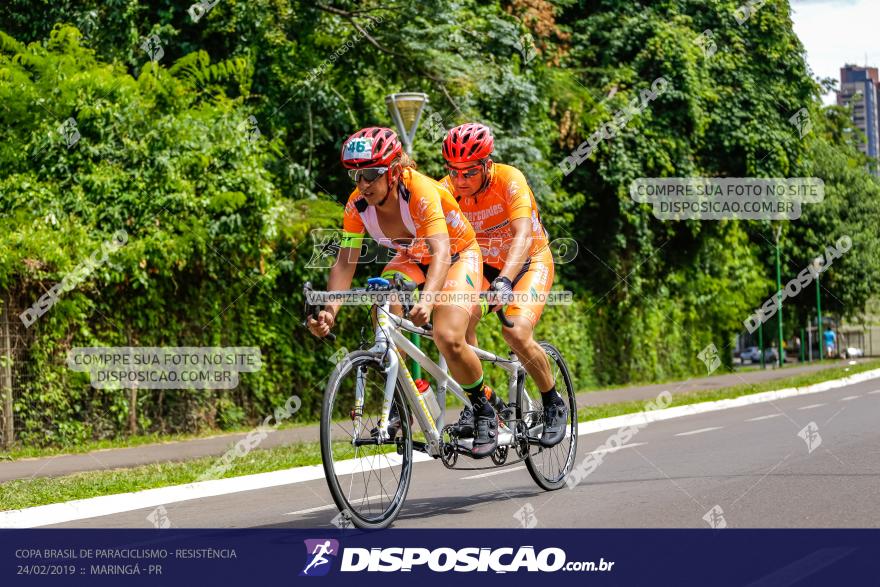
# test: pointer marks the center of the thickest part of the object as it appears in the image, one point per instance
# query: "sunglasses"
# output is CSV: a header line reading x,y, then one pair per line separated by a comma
x,y
370,174
465,173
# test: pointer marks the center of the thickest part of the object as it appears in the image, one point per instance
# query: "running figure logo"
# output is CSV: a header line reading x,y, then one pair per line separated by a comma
x,y
317,553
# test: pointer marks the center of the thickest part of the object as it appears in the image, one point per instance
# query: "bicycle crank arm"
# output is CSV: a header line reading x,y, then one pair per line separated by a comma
x,y
505,438
372,442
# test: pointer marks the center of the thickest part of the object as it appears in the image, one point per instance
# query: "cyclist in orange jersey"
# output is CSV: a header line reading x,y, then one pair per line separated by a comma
x,y
516,255
404,210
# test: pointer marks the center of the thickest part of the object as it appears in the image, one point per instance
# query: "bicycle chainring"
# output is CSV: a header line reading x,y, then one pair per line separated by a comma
x,y
448,452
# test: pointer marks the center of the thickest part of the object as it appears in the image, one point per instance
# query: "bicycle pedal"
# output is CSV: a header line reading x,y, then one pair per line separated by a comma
x,y
507,414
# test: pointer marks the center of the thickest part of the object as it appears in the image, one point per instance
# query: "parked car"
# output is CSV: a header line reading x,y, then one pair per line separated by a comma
x,y
751,354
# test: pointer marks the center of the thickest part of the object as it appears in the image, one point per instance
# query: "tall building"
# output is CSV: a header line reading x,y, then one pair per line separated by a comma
x,y
860,87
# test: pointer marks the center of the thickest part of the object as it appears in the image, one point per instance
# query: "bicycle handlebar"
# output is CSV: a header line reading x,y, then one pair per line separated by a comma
x,y
396,284
313,311
503,317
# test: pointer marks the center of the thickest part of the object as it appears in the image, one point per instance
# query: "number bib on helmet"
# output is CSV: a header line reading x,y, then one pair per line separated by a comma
x,y
358,149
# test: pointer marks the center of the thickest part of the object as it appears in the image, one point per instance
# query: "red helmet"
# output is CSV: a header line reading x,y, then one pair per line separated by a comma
x,y
371,147
468,142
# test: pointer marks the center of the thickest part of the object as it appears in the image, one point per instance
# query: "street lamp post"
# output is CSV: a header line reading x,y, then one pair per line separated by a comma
x,y
761,342
406,111
818,262
809,339
779,293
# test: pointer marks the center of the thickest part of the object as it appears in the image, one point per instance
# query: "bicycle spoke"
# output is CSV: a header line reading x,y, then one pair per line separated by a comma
x,y
549,466
356,481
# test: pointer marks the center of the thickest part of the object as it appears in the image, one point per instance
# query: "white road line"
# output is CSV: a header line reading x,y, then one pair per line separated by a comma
x,y
644,418
767,417
811,406
106,505
331,506
493,473
848,398
80,509
873,392
700,431
605,451
521,467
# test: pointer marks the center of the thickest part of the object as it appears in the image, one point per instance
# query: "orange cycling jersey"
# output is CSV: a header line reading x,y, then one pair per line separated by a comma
x,y
492,212
427,208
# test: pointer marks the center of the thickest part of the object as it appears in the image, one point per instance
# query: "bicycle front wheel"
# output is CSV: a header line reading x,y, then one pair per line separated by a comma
x,y
550,466
368,479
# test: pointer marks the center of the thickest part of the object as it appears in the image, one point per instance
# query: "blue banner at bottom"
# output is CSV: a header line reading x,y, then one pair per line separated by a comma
x,y
435,557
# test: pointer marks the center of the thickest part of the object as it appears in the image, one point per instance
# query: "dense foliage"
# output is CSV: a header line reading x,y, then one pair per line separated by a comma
x,y
213,143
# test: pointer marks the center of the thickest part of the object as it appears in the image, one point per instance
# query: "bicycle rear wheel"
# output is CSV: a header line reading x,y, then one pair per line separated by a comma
x,y
550,466
368,480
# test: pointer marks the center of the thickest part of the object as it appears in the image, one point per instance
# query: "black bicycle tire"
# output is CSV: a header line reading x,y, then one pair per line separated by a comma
x,y
537,476
343,368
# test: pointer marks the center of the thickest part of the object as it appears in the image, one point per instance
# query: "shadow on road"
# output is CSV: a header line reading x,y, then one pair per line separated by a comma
x,y
420,509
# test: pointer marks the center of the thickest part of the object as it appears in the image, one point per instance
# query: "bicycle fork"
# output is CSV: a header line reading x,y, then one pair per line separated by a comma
x,y
392,366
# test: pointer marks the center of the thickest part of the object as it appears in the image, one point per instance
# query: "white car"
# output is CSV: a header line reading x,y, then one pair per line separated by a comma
x,y
751,354
852,351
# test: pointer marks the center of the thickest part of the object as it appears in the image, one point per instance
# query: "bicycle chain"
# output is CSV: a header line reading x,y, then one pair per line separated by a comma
x,y
454,455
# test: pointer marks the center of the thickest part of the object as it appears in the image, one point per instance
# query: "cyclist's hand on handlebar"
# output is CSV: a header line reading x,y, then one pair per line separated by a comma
x,y
421,313
501,292
321,327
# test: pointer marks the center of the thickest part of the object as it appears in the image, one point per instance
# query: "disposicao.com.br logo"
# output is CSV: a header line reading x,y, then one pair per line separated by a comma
x,y
441,560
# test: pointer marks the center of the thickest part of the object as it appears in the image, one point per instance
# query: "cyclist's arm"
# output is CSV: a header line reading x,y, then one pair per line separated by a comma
x,y
519,248
341,274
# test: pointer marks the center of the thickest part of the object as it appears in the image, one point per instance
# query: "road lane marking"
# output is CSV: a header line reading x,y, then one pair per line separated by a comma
x,y
492,473
700,431
331,506
521,467
873,392
848,398
604,451
811,406
767,417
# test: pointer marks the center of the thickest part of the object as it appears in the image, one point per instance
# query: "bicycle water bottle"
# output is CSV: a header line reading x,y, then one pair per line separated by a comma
x,y
427,395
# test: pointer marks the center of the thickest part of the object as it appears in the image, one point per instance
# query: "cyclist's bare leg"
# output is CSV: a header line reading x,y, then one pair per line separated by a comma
x,y
450,325
471,334
520,339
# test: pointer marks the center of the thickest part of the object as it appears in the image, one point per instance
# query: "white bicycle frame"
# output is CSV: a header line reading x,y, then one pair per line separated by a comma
x,y
390,341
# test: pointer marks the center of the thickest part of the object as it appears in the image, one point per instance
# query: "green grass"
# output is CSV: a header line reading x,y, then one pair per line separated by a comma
x,y
33,492
31,452
24,493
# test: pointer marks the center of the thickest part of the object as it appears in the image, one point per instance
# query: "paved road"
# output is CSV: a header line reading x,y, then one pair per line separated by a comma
x,y
217,445
747,463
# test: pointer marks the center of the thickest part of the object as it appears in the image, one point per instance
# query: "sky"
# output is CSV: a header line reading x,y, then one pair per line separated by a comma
x,y
835,32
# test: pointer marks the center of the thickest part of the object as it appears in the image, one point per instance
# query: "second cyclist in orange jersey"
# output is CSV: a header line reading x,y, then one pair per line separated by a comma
x,y
518,266
492,212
